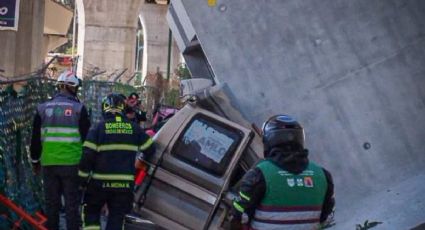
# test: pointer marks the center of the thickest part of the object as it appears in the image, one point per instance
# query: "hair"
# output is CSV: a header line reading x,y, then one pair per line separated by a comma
x,y
70,89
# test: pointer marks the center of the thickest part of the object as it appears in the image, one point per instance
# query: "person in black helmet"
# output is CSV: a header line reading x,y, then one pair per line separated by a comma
x,y
107,166
285,190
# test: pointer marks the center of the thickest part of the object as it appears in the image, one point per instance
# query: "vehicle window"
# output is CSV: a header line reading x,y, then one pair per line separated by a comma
x,y
207,144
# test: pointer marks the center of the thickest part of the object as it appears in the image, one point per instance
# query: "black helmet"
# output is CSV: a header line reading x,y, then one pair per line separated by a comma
x,y
113,103
282,131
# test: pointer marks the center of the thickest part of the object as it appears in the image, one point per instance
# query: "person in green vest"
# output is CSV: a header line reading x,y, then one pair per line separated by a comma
x,y
59,129
285,190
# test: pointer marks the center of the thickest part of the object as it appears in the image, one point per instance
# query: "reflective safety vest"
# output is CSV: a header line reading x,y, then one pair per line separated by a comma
x,y
60,136
291,201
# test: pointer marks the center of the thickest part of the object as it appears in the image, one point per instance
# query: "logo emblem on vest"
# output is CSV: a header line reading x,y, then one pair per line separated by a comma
x,y
300,182
58,111
291,182
49,112
68,112
308,182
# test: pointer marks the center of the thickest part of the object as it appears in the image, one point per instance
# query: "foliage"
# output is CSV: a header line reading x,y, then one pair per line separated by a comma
x,y
172,98
183,72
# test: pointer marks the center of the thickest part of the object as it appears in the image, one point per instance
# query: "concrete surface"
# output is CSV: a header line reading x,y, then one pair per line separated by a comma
x,y
22,50
156,34
108,32
351,71
107,36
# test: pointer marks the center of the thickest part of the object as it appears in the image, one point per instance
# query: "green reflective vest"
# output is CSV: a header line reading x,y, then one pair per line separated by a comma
x,y
61,141
290,201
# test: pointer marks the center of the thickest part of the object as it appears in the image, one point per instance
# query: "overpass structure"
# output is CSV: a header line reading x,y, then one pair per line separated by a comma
x,y
106,33
351,71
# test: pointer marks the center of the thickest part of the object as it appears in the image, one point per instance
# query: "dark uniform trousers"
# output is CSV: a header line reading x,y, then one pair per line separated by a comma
x,y
118,203
56,179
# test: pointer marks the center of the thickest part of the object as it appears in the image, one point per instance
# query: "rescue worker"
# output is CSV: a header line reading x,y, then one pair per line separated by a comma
x,y
108,164
285,190
59,129
133,110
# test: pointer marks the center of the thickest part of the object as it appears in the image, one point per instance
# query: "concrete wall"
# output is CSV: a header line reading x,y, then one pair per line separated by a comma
x,y
352,72
22,50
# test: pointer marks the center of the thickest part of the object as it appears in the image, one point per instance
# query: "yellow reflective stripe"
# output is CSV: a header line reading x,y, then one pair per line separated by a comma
x,y
83,174
146,145
92,227
113,176
238,207
90,145
117,147
244,196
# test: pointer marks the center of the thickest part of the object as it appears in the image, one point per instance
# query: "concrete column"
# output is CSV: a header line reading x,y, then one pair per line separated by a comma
x,y
21,51
109,35
156,39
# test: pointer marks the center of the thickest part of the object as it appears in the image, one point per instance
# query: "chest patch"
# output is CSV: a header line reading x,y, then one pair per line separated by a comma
x,y
68,112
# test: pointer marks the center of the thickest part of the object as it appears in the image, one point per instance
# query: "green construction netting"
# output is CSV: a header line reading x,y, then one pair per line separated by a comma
x,y
17,181
93,92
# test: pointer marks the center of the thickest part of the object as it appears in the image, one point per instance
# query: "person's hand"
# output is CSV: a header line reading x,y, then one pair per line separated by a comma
x,y
36,168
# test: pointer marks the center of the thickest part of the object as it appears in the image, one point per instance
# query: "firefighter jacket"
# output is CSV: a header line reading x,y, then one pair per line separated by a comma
x,y
109,153
273,197
59,129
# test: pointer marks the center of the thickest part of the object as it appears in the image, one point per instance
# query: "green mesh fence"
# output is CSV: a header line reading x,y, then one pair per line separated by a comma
x,y
93,92
16,179
17,110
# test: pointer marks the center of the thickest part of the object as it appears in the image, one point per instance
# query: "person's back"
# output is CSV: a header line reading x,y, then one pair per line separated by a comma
x,y
286,190
108,162
60,126
60,130
117,142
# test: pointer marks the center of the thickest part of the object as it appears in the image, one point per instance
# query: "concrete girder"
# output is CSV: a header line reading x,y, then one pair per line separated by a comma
x,y
350,71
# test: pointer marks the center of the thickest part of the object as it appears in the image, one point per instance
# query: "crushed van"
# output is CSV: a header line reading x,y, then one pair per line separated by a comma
x,y
202,153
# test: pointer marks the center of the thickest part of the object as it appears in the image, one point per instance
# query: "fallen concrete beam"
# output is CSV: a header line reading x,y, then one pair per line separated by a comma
x,y
352,73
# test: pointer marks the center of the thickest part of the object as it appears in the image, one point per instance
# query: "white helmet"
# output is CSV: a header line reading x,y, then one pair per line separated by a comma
x,y
68,77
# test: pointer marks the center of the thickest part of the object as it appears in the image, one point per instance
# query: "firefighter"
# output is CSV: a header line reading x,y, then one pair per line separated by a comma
x,y
59,129
107,166
285,190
